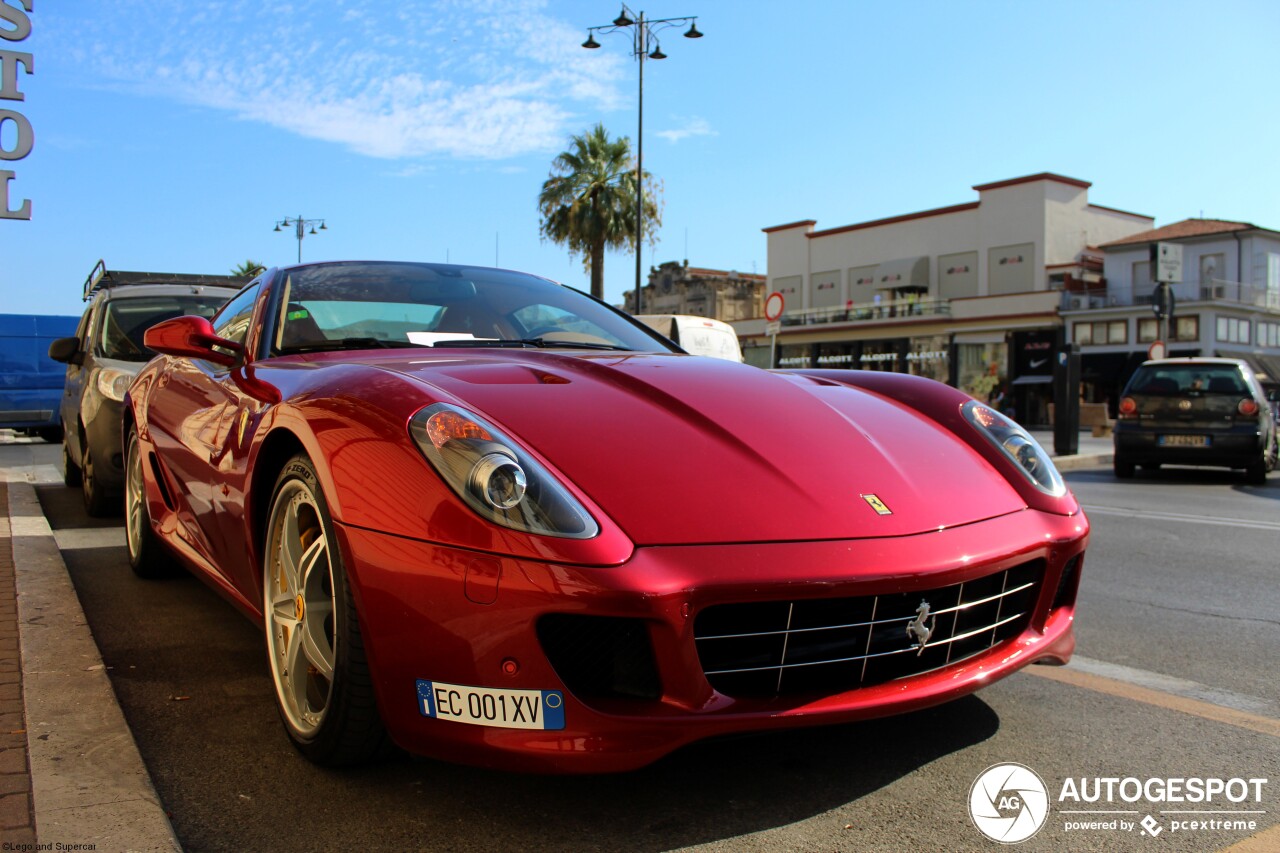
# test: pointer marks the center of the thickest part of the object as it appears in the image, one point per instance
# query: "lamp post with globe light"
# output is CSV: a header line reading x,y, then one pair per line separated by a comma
x,y
300,225
644,45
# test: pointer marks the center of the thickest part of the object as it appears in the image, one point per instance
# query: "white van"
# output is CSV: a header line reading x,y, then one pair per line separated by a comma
x,y
696,335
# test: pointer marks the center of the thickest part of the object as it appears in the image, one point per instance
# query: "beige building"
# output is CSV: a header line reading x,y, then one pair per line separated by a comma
x,y
968,294
676,288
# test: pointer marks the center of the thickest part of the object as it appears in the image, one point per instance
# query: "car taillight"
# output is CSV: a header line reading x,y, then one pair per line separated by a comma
x,y
1247,407
1128,407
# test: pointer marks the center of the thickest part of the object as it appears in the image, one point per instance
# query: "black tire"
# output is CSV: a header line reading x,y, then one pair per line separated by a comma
x,y
347,729
51,434
96,500
1256,473
1124,468
70,470
147,555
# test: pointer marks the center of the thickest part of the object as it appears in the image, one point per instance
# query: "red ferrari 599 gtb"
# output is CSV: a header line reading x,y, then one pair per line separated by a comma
x,y
499,522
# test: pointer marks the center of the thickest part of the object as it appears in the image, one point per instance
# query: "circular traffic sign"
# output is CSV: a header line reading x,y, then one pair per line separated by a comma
x,y
773,306
1156,350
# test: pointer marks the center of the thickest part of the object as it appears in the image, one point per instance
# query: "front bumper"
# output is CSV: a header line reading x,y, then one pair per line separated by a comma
x,y
444,615
104,437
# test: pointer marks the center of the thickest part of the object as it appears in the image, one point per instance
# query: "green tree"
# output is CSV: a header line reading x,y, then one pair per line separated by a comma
x,y
589,201
248,269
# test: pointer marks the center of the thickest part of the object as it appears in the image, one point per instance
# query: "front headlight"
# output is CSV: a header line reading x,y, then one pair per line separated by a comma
x,y
1017,444
495,477
113,383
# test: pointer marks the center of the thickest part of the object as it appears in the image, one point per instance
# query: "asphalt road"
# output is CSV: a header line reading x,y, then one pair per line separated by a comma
x,y
1175,677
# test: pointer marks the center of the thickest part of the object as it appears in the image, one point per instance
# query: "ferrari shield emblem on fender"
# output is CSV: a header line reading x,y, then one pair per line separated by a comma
x,y
877,504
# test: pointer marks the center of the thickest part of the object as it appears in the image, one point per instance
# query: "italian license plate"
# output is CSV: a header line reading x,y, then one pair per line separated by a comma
x,y
1183,441
490,706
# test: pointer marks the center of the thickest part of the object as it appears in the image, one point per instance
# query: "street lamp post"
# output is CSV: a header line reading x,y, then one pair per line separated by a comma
x,y
644,46
300,225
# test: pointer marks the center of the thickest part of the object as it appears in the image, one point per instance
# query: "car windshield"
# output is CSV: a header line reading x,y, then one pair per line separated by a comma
x,y
127,318
378,304
1188,379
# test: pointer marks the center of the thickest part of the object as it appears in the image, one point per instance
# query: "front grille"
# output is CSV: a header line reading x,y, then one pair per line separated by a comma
x,y
832,645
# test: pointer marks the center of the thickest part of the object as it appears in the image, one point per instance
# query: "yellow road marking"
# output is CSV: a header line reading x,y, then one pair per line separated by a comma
x,y
1267,841
1205,710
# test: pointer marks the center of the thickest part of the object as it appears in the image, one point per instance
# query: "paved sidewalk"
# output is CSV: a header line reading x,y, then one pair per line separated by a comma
x,y
69,770
1091,452
17,820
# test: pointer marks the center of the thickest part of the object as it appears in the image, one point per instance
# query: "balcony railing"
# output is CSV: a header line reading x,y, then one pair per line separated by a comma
x,y
898,309
1216,290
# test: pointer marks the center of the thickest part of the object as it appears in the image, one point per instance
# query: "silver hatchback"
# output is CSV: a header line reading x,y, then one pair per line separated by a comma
x,y
105,355
1195,411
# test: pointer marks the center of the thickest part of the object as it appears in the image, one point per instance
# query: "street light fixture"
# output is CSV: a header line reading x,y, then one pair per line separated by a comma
x,y
300,225
644,45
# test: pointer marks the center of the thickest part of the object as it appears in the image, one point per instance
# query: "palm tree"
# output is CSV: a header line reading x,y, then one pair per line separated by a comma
x,y
589,201
248,269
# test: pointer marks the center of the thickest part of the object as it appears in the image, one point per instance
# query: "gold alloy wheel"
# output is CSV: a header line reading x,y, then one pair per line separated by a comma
x,y
299,608
134,495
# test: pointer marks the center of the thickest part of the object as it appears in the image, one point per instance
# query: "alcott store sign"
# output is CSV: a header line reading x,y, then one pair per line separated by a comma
x,y
16,136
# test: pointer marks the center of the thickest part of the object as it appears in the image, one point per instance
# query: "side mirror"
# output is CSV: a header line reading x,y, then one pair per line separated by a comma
x,y
191,337
66,350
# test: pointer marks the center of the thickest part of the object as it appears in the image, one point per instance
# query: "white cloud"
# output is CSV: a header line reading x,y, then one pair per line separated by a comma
x,y
477,79
689,126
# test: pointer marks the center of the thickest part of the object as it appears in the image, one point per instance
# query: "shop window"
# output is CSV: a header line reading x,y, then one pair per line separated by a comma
x,y
1186,329
1233,331
1181,329
1212,267
1268,334
1105,332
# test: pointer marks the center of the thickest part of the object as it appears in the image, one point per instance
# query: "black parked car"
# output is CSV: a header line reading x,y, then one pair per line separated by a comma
x,y
104,357
1196,411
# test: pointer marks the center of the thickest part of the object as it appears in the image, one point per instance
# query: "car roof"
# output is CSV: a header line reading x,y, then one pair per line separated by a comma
x,y
1158,362
138,290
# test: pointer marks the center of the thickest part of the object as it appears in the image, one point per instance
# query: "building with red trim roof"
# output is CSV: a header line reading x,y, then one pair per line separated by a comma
x,y
968,293
1227,301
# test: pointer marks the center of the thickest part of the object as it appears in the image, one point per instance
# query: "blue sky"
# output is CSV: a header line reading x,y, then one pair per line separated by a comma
x,y
172,135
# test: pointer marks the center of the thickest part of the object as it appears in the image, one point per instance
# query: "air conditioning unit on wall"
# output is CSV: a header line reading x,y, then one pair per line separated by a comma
x,y
1078,302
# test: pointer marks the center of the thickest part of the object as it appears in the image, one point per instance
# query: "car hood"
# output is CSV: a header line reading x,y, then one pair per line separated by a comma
x,y
680,449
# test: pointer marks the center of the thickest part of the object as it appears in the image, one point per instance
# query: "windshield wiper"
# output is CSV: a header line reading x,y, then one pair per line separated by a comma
x,y
348,343
529,343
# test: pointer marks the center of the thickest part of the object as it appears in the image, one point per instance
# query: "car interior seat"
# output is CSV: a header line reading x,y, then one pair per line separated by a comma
x,y
471,318
1161,385
1223,385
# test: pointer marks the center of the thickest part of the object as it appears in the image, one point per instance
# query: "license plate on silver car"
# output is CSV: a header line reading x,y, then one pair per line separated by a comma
x,y
1183,441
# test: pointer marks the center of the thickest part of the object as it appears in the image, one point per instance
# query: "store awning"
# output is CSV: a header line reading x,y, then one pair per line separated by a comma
x,y
980,337
1265,367
905,272
1270,365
